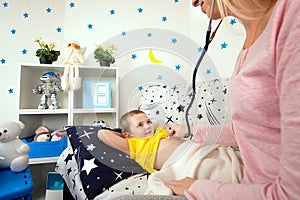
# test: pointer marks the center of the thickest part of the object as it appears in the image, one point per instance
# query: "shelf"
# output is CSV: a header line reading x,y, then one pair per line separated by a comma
x,y
72,111
43,160
94,110
42,112
37,66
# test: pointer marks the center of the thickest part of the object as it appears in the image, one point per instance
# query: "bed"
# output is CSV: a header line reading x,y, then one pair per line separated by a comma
x,y
93,170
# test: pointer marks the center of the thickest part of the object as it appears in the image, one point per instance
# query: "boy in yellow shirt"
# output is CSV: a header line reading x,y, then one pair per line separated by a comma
x,y
169,158
141,139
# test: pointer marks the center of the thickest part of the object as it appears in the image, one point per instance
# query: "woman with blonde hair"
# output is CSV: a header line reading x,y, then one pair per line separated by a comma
x,y
264,93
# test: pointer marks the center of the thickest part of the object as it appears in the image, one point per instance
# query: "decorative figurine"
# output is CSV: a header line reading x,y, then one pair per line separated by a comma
x,y
48,90
72,59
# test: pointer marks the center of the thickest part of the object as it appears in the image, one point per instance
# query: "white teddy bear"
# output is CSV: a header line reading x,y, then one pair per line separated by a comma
x,y
13,152
72,59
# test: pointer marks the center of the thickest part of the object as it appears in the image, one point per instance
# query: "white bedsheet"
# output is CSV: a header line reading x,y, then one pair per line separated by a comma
x,y
222,164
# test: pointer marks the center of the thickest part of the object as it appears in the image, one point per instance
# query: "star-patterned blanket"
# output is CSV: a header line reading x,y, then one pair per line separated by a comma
x,y
94,163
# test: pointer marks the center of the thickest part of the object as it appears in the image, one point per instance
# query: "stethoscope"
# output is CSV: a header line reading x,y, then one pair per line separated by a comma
x,y
208,38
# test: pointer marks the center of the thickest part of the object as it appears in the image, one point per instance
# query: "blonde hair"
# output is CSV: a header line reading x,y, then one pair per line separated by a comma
x,y
229,7
124,121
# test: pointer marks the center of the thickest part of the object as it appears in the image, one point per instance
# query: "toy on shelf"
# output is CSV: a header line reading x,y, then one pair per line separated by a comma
x,y
72,59
99,123
43,134
13,152
49,88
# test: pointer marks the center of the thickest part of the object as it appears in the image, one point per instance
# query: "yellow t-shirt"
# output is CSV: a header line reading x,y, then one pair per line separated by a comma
x,y
143,150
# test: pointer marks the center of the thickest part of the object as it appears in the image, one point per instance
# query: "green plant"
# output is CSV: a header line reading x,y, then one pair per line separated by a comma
x,y
105,52
46,50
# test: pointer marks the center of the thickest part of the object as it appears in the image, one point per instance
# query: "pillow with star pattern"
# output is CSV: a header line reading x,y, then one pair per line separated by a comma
x,y
100,166
170,103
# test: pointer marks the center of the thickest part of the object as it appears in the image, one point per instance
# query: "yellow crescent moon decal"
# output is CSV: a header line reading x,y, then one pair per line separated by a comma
x,y
153,58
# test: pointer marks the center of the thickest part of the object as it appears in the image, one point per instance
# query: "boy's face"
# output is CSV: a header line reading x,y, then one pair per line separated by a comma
x,y
141,126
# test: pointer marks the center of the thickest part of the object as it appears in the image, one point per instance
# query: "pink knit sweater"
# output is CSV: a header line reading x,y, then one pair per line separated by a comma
x,y
264,100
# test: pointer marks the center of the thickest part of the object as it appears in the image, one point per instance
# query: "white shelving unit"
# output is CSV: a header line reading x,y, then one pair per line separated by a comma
x,y
71,111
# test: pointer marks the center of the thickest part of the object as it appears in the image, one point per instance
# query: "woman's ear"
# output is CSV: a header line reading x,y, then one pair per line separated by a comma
x,y
126,135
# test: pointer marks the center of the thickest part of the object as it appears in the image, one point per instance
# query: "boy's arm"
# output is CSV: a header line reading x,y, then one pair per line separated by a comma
x,y
114,139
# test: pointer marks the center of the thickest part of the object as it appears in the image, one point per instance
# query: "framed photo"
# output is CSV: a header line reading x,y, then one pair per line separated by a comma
x,y
96,94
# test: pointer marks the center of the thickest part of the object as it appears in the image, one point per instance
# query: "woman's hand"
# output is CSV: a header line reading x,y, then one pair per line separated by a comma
x,y
178,130
179,186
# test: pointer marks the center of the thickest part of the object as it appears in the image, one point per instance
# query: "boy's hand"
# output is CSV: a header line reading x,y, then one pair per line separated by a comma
x,y
178,130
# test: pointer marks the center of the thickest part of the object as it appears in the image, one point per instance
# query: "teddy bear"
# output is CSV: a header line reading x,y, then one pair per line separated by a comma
x,y
13,152
72,59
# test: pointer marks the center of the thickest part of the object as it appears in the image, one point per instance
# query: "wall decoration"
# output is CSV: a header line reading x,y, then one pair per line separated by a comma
x,y
137,26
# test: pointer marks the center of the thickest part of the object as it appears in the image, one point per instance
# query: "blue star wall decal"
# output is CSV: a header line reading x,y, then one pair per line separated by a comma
x,y
72,5
48,10
3,61
90,26
140,88
13,31
164,19
224,45
200,49
208,71
133,56
24,51
149,35
177,67
140,10
10,91
5,4
58,29
174,40
112,12
123,33
25,15
232,21
176,1
159,77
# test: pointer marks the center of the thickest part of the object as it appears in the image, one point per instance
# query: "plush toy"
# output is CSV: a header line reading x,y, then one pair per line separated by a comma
x,y
58,134
99,123
13,152
72,59
43,134
49,87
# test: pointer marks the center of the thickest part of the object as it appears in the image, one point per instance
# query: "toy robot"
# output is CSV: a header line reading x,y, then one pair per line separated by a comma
x,y
48,90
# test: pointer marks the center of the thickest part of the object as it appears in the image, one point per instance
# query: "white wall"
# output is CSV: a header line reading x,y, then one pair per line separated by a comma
x,y
184,23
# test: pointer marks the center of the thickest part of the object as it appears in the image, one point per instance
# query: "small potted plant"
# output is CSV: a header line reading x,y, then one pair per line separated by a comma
x,y
46,52
104,54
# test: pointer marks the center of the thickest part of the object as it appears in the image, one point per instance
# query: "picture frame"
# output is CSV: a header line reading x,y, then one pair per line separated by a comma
x,y
96,94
